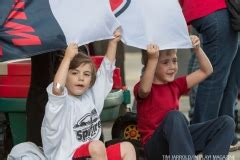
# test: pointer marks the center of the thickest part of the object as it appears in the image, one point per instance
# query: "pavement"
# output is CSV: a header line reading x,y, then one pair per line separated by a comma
x,y
133,68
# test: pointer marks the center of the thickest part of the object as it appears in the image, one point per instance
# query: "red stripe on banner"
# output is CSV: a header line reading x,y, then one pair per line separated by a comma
x,y
17,15
115,4
20,5
29,39
18,27
20,30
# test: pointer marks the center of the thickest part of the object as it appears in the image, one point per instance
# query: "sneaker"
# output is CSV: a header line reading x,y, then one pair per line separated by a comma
x,y
236,147
235,144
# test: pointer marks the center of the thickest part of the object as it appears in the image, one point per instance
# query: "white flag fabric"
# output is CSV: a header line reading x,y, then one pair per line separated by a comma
x,y
28,29
84,21
153,21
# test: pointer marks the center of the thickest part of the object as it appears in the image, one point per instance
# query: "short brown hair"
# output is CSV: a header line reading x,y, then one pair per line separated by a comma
x,y
82,58
167,51
145,55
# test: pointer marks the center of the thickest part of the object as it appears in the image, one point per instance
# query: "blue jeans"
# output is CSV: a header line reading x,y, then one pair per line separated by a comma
x,y
175,137
229,101
219,42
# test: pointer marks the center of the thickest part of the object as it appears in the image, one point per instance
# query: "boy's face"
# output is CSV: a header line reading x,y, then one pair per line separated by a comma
x,y
79,79
167,67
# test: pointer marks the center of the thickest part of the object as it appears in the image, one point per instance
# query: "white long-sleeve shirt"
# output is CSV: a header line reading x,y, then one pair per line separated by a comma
x,y
70,121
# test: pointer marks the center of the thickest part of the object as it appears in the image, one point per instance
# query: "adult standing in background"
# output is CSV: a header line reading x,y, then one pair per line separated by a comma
x,y
211,20
230,99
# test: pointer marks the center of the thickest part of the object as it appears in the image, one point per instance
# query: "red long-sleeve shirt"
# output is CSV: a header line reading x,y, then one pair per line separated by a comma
x,y
194,9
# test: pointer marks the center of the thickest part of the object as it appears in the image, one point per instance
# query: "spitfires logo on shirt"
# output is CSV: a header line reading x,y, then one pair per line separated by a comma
x,y
119,6
88,126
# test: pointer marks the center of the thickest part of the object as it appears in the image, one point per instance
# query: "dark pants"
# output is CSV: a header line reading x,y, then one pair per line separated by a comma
x,y
175,138
229,102
220,44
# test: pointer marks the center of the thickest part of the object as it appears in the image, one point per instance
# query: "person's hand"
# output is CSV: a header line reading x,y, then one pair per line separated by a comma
x,y
153,51
195,42
71,51
117,36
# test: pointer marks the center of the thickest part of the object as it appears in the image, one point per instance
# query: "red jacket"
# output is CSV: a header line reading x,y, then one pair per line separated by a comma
x,y
194,9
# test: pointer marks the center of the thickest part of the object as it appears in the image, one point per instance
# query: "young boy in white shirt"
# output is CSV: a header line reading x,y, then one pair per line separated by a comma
x,y
71,126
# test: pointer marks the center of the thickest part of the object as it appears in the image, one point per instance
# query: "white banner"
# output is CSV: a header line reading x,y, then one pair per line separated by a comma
x,y
84,21
153,21
46,25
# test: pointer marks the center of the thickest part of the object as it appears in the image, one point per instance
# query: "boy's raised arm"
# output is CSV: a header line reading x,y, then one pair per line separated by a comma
x,y
148,75
205,65
61,75
112,46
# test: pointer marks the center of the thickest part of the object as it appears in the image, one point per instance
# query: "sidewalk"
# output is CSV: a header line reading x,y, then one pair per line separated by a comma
x,y
133,70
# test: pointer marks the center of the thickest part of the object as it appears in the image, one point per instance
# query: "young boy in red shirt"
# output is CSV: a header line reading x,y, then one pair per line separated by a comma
x,y
165,132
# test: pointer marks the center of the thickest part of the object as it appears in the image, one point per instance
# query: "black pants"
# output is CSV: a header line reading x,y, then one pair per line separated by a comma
x,y
176,139
43,68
